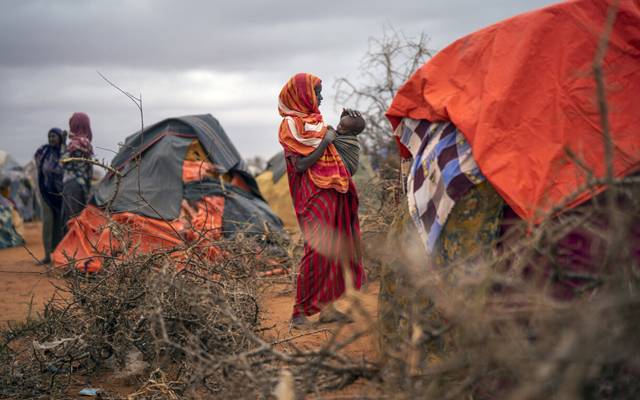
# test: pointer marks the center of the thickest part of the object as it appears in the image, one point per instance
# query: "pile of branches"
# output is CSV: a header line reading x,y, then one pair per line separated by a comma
x,y
507,327
144,304
380,201
183,327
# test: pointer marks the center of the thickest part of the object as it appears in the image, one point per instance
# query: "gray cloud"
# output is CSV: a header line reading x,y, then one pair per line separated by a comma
x,y
226,58
220,35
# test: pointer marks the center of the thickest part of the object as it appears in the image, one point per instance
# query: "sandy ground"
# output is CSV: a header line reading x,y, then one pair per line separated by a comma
x,y
26,287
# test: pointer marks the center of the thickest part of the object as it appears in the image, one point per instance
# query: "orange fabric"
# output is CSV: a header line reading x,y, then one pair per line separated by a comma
x,y
205,219
522,91
197,171
303,128
238,181
80,241
193,171
196,165
92,235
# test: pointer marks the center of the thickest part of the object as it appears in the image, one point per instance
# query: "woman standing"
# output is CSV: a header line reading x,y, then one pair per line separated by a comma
x,y
77,174
325,201
50,186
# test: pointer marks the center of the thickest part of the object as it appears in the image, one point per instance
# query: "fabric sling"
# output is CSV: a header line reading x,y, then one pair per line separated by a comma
x,y
349,149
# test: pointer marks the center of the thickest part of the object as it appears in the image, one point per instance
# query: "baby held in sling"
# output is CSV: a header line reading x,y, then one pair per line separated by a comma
x,y
346,141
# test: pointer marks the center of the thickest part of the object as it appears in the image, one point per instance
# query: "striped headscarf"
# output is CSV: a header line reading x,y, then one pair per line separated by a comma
x,y
303,128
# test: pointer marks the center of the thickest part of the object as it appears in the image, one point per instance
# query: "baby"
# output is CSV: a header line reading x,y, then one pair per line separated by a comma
x,y
350,124
346,142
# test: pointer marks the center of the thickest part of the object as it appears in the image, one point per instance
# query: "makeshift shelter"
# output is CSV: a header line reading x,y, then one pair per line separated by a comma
x,y
19,189
523,94
10,225
274,186
514,107
180,180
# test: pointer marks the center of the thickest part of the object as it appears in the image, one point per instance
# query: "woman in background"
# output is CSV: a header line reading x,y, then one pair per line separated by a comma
x,y
50,174
76,181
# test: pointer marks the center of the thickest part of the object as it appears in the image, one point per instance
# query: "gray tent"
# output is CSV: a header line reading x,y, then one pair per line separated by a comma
x,y
151,163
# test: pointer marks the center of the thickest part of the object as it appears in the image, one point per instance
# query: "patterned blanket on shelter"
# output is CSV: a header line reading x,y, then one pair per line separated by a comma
x,y
442,171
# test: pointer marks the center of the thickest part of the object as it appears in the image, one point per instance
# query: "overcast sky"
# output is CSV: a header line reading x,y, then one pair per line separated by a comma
x,y
227,58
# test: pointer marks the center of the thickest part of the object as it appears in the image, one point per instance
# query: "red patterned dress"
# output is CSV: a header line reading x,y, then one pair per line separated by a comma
x,y
329,223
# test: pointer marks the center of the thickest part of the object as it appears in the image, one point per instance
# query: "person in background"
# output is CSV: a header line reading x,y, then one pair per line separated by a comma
x,y
76,181
325,202
11,228
50,174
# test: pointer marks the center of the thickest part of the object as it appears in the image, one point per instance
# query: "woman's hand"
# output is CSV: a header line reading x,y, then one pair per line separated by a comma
x,y
330,135
303,163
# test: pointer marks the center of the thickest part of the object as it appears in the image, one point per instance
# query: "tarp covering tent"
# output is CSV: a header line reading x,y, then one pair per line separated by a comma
x,y
182,180
21,191
9,225
274,186
523,93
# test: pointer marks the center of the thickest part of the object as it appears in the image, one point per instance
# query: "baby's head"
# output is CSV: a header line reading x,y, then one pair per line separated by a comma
x,y
350,125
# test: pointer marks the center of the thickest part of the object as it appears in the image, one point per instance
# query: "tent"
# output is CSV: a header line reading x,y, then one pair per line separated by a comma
x,y
10,225
179,180
20,189
274,186
524,95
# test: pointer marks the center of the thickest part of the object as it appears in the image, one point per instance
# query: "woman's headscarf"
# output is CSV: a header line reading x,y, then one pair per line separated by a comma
x,y
80,134
58,133
303,128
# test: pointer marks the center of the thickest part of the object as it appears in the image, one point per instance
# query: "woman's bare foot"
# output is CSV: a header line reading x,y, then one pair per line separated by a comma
x,y
300,322
331,314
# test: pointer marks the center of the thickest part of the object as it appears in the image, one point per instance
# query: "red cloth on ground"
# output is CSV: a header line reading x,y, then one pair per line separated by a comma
x,y
523,91
329,223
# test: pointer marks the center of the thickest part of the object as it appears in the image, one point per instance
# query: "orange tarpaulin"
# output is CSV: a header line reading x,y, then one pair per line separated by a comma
x,y
523,92
91,235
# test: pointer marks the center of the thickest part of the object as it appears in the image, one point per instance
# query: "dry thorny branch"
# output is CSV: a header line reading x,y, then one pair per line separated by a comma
x,y
389,62
195,323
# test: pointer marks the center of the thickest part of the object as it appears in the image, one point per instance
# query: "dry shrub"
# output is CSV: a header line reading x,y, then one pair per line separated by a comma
x,y
389,61
180,328
507,327
141,303
380,201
